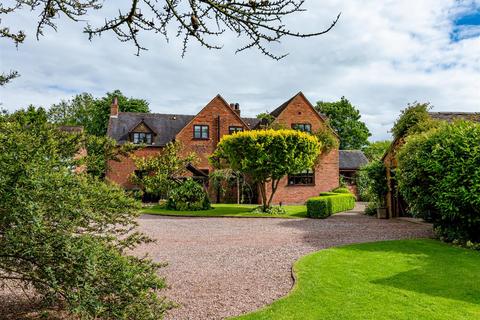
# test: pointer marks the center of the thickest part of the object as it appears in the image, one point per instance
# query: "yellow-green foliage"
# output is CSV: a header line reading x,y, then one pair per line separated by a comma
x,y
329,203
267,155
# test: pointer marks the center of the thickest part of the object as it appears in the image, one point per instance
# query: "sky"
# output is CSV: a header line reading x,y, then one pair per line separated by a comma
x,y
381,56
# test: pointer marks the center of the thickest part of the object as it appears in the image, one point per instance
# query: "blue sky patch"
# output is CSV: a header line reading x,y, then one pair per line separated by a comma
x,y
466,25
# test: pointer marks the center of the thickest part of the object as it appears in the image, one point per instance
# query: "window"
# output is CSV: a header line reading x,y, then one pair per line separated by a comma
x,y
142,137
305,127
200,132
233,129
306,177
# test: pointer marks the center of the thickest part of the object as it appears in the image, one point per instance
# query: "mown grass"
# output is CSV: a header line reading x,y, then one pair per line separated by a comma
x,y
410,279
230,210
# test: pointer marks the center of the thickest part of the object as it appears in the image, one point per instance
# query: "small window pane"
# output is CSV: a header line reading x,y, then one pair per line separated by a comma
x,y
306,177
200,131
305,127
141,137
233,129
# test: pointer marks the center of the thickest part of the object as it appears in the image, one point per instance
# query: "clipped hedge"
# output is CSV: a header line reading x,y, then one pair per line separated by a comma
x,y
324,206
341,190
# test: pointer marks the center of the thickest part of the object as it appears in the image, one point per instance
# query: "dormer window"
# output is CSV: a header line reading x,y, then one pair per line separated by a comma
x,y
141,138
305,127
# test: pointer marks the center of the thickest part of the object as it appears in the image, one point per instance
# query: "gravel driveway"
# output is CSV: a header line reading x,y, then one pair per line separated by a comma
x,y
220,267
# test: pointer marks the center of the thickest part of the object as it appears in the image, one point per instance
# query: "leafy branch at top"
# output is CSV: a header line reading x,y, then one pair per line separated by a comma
x,y
257,21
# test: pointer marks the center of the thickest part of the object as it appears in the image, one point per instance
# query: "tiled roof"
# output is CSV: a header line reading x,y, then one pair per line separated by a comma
x,y
450,116
165,126
351,159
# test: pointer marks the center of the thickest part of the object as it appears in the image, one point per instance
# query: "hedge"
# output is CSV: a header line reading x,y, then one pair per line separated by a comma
x,y
341,190
439,177
324,206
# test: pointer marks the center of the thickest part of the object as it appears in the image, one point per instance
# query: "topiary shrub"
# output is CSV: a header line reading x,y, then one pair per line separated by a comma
x,y
328,193
189,196
439,177
341,190
324,206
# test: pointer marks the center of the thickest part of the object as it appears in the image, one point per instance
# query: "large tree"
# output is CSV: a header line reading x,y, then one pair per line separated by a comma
x,y
93,113
345,119
267,156
65,234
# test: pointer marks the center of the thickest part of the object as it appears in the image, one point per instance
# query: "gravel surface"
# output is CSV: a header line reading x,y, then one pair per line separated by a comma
x,y
221,267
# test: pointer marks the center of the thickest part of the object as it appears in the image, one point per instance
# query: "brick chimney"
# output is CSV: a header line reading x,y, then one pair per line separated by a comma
x,y
114,108
236,108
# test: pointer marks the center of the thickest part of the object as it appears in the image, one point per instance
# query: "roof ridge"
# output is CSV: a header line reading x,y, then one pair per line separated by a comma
x,y
157,113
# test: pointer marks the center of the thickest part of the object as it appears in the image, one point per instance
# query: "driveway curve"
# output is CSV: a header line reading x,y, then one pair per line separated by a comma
x,y
222,267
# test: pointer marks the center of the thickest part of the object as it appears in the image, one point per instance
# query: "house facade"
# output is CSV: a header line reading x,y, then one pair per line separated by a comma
x,y
202,132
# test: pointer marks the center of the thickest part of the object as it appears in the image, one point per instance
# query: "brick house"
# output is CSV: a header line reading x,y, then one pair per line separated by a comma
x,y
201,133
396,206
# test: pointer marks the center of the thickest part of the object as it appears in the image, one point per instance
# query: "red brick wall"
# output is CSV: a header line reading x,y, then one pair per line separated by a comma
x,y
327,170
119,171
208,116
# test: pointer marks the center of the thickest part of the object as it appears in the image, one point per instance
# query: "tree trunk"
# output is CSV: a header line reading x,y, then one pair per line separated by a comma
x,y
263,193
238,189
274,189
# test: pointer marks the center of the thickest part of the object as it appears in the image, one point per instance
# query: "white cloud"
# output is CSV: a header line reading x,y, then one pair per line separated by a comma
x,y
381,55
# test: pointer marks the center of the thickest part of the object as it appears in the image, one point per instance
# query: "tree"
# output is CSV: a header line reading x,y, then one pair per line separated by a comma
x,y
101,150
439,177
66,234
376,150
259,21
267,156
75,112
345,120
159,174
413,119
91,113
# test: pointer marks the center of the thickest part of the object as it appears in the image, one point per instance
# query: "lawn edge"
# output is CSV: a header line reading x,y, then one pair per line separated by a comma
x,y
293,269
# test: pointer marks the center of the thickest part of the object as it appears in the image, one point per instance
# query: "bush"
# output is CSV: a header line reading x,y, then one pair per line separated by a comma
x,y
272,210
325,206
439,177
65,235
372,182
341,190
189,196
329,193
371,209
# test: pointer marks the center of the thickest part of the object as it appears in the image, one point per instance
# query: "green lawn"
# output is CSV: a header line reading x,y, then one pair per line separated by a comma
x,y
230,210
410,279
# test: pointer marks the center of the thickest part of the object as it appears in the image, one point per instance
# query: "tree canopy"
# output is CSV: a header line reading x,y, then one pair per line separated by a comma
x,y
267,156
64,233
414,118
376,150
344,118
93,113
